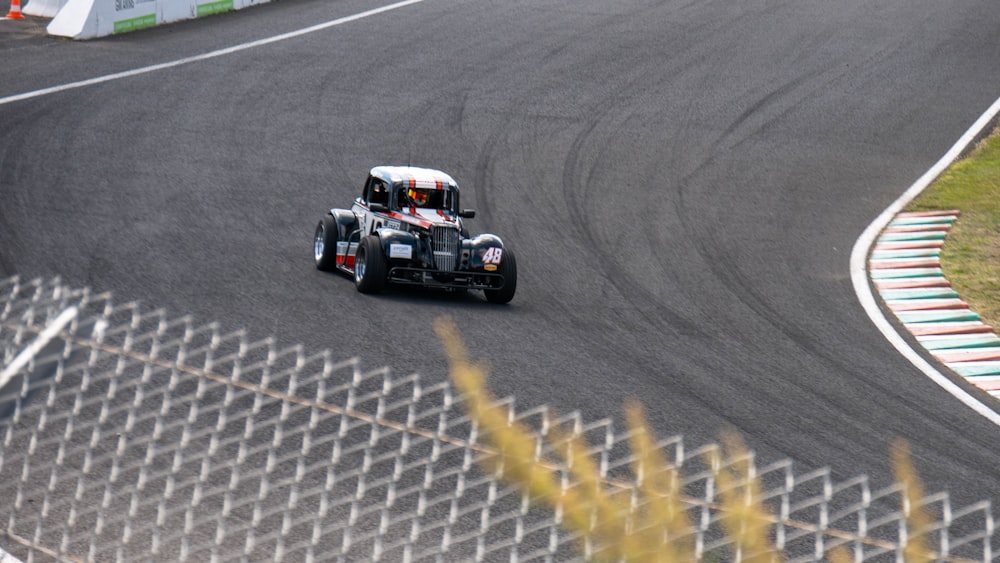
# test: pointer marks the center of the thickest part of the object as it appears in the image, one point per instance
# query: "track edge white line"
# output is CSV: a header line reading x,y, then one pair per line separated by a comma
x,y
205,56
861,281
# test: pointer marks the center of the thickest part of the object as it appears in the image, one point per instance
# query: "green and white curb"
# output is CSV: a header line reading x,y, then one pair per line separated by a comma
x,y
905,268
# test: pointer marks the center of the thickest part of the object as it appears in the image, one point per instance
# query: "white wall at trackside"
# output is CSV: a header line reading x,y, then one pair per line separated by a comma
x,y
86,19
42,9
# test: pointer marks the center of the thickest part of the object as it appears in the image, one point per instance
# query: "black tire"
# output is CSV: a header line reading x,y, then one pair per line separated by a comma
x,y
325,244
370,266
507,269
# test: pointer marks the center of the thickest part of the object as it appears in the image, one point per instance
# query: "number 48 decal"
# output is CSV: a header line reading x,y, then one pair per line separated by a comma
x,y
492,255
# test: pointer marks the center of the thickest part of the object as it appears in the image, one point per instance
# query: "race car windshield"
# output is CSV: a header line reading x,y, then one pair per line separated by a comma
x,y
433,199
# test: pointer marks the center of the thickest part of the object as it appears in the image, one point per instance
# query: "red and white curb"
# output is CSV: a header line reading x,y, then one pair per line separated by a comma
x,y
905,268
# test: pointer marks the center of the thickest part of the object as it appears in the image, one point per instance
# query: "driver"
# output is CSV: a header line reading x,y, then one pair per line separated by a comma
x,y
418,198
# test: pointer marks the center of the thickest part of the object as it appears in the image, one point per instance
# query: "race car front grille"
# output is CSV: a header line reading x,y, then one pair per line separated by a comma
x,y
445,246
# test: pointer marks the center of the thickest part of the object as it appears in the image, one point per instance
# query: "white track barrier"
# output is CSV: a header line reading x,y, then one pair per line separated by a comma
x,y
86,19
42,9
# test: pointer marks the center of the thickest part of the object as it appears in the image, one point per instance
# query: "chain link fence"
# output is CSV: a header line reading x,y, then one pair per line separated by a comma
x,y
130,435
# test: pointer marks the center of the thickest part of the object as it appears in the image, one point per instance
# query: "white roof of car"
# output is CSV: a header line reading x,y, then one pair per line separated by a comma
x,y
414,176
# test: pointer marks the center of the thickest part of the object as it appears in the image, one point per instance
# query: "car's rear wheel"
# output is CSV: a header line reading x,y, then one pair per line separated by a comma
x,y
507,269
370,266
325,244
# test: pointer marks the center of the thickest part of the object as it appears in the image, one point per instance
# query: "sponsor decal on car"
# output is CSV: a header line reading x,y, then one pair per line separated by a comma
x,y
400,251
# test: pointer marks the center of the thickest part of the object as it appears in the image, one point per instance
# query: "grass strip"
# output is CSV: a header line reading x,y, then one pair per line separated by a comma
x,y
970,257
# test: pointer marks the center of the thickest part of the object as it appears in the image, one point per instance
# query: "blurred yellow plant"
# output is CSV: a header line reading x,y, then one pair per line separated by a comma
x,y
744,518
918,521
645,520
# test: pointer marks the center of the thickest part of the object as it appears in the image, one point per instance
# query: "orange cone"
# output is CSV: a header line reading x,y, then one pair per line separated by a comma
x,y
15,10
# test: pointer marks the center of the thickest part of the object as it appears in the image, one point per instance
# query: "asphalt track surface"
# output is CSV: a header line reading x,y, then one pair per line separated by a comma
x,y
682,182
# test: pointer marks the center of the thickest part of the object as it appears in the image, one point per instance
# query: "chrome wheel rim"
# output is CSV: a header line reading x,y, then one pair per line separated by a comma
x,y
318,245
359,266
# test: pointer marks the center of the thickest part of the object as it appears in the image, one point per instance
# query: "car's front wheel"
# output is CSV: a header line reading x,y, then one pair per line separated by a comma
x,y
507,269
370,266
325,244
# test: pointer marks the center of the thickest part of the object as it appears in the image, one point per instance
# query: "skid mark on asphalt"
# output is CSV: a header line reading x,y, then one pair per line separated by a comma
x,y
905,267
206,56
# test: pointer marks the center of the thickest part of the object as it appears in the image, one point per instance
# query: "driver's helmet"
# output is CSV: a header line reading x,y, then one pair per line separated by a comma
x,y
418,198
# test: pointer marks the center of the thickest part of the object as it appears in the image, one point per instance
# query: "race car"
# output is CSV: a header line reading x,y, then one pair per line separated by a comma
x,y
407,228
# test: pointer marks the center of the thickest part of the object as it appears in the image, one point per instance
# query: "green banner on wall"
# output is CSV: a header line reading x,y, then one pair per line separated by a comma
x,y
214,7
132,24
